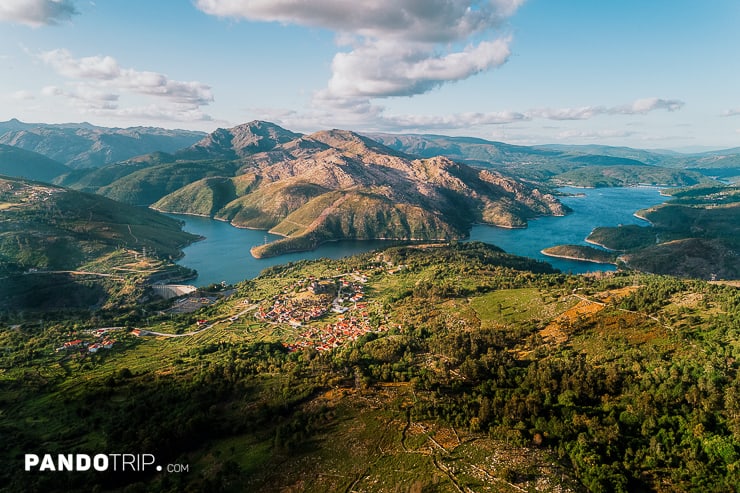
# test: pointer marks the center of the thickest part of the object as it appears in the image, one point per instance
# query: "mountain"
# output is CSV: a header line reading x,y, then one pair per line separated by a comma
x,y
20,163
468,149
723,164
557,165
238,142
144,179
337,184
81,145
644,156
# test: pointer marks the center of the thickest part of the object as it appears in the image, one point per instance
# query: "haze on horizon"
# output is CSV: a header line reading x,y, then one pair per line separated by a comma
x,y
660,74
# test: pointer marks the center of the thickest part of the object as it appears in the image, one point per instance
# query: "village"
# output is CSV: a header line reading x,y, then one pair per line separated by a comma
x,y
102,341
311,299
298,305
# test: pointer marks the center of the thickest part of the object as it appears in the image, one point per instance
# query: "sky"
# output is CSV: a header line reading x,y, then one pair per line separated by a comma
x,y
658,74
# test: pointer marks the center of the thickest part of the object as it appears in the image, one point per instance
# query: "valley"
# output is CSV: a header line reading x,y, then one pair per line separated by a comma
x,y
440,364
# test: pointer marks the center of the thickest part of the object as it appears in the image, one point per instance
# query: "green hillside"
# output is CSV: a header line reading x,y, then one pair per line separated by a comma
x,y
47,229
20,163
462,369
149,184
204,197
696,234
626,175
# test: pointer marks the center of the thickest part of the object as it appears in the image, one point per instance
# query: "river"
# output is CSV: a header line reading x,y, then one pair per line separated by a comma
x,y
224,254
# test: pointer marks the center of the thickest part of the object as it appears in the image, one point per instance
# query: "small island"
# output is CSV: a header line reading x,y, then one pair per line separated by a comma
x,y
581,252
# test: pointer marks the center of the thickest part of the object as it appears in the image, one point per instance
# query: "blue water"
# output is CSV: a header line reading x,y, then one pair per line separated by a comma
x,y
598,207
224,254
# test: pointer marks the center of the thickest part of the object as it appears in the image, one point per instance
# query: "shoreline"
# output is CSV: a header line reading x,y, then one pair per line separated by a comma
x,y
579,259
602,246
392,241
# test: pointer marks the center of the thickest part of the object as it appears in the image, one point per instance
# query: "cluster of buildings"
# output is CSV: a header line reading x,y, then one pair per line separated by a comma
x,y
294,311
346,328
310,299
103,342
29,193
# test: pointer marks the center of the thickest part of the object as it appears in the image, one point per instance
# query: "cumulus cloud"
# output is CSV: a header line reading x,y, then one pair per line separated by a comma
x,y
406,20
396,47
98,82
36,13
382,68
646,105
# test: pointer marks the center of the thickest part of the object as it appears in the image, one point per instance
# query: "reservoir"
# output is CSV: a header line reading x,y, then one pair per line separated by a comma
x,y
224,254
592,207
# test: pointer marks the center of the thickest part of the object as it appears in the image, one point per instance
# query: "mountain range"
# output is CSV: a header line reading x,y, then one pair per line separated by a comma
x,y
562,165
336,184
82,145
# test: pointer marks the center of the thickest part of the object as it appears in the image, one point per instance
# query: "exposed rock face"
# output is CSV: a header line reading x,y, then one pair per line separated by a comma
x,y
337,184
239,141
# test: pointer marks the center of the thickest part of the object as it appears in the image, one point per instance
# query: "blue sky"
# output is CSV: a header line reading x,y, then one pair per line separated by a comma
x,y
649,74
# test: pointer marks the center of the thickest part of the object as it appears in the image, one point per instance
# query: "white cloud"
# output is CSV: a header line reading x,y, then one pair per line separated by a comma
x,y
396,47
638,107
36,13
361,113
731,112
23,95
93,67
383,68
646,105
581,135
51,91
98,82
152,112
436,21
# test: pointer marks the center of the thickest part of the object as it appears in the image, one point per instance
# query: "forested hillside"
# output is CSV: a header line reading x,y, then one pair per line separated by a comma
x,y
476,371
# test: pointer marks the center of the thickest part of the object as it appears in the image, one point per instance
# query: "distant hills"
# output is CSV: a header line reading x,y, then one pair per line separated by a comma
x,y
18,162
81,145
585,166
337,184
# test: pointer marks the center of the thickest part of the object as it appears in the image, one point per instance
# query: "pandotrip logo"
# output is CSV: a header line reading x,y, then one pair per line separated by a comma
x,y
99,463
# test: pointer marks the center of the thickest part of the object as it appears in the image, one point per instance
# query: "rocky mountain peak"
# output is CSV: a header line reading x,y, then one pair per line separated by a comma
x,y
351,142
239,141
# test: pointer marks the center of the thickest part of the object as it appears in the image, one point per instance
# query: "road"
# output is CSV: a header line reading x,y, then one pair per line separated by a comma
x,y
248,309
75,273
